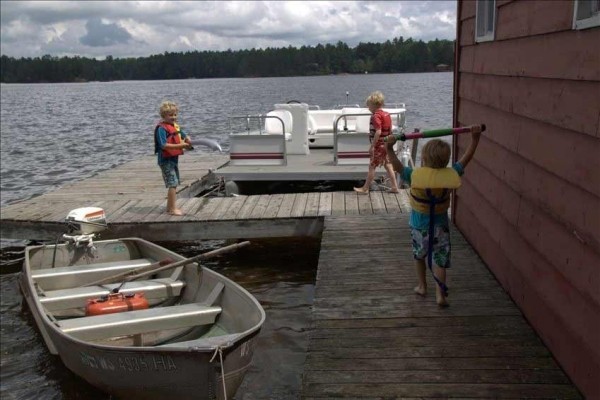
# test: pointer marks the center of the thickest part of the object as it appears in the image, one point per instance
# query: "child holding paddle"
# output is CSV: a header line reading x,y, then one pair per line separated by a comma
x,y
169,142
430,188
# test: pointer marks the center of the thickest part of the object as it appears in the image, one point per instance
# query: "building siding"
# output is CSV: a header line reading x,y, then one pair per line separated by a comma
x,y
530,200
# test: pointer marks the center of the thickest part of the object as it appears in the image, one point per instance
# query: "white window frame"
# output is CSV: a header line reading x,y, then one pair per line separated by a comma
x,y
590,21
481,16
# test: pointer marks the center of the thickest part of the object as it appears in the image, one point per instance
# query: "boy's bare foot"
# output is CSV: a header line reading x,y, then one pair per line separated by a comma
x,y
361,190
421,291
441,299
394,190
176,211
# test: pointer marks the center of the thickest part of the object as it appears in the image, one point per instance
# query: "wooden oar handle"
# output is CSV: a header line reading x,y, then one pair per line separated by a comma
x,y
164,265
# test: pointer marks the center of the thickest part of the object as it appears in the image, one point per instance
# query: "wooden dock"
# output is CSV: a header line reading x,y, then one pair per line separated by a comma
x,y
133,197
373,338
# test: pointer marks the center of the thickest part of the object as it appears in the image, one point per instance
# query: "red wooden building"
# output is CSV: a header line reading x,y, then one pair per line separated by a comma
x,y
530,200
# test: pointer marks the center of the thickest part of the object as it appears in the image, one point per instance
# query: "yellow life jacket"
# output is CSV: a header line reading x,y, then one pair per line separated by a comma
x,y
427,182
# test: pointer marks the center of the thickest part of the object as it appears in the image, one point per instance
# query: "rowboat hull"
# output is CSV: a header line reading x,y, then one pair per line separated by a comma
x,y
206,360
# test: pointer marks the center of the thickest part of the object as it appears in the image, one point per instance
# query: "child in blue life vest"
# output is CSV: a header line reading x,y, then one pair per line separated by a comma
x,y
169,142
430,188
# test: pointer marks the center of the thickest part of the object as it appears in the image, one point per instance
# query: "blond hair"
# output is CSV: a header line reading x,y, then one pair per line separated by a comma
x,y
167,107
376,98
435,154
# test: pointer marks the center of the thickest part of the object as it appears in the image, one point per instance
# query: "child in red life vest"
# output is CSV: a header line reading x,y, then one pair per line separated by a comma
x,y
430,188
169,142
380,126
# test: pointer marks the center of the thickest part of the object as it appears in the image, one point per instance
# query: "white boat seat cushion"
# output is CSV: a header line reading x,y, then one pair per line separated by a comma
x,y
273,125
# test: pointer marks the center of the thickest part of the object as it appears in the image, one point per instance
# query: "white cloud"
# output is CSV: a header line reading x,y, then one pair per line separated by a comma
x,y
134,29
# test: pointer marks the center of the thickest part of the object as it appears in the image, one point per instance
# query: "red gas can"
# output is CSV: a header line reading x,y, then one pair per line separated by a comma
x,y
116,302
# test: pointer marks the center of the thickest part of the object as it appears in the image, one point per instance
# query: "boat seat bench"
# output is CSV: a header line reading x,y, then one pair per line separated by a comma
x,y
78,275
140,321
64,299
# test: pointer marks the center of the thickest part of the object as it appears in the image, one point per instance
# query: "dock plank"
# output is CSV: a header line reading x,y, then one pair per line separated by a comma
x,y
299,204
189,209
116,215
221,208
247,208
377,202
351,203
391,203
138,211
206,208
403,198
234,208
338,204
325,203
260,207
159,209
364,204
287,205
163,215
312,205
273,206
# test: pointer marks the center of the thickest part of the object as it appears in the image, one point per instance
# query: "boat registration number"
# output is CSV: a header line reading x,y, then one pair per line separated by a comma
x,y
129,363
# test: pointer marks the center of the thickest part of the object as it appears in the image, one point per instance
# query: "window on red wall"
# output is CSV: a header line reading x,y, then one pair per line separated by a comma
x,y
586,14
485,20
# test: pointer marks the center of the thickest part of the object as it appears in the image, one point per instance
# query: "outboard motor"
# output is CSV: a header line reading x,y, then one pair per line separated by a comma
x,y
84,223
86,220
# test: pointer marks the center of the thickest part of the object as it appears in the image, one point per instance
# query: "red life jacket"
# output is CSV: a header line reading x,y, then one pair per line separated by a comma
x,y
173,137
386,124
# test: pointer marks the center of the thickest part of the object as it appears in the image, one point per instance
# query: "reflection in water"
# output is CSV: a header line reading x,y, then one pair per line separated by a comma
x,y
280,273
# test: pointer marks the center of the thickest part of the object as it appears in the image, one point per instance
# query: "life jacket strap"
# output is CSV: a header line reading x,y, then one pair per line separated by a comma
x,y
432,200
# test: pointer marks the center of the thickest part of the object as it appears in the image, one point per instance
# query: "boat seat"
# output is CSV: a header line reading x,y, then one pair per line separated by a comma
x,y
127,323
322,120
153,289
273,125
363,124
79,275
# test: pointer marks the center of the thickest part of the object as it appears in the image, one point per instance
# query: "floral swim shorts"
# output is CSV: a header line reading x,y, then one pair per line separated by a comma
x,y
441,245
170,174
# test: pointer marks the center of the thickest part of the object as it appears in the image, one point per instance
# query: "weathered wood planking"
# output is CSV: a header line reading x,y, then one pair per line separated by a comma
x,y
136,180
134,199
373,337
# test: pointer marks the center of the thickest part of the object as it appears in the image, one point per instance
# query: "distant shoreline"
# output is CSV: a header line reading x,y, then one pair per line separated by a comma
x,y
224,77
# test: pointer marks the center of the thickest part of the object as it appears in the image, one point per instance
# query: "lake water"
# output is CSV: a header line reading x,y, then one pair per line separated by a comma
x,y
53,134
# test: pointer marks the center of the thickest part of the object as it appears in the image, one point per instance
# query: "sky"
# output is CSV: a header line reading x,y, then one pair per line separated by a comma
x,y
95,29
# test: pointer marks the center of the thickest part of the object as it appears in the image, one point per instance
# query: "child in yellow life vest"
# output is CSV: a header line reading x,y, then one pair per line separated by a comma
x,y
430,188
169,142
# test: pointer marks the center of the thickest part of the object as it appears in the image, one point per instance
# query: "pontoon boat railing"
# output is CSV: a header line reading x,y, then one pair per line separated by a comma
x,y
340,106
400,123
258,117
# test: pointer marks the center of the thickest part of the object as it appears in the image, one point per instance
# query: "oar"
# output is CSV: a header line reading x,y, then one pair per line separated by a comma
x,y
164,265
438,132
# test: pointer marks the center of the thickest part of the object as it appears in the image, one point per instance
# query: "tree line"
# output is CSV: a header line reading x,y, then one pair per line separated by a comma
x,y
392,56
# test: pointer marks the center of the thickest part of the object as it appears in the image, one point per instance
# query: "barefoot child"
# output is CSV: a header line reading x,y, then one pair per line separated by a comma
x,y
430,199
169,142
380,126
